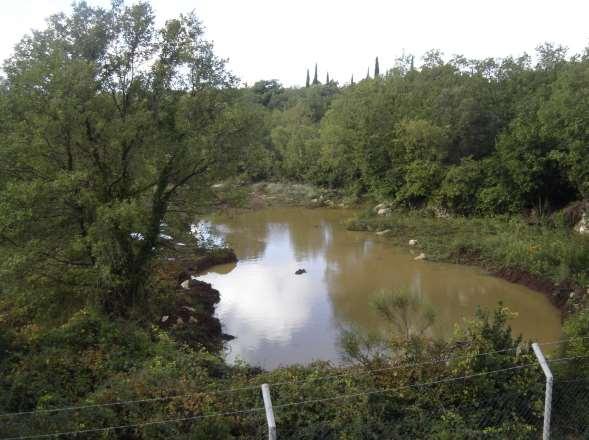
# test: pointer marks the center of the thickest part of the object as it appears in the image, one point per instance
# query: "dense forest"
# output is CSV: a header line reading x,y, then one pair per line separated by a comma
x,y
480,137
113,135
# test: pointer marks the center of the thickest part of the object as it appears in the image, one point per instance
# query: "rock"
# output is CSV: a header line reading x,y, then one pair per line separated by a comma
x,y
385,232
583,226
384,211
185,284
412,242
420,257
572,295
179,321
315,201
380,206
300,271
165,318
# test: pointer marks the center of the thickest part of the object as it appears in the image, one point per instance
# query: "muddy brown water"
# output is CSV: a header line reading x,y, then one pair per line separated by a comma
x,y
280,318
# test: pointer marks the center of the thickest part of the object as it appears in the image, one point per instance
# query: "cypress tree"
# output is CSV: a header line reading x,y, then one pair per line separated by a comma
x,y
315,80
352,80
376,69
308,82
327,78
368,73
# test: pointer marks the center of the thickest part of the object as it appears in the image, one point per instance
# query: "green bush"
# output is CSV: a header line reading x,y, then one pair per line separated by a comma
x,y
458,191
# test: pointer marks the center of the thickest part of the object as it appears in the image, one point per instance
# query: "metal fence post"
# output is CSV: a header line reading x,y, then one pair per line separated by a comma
x,y
269,412
548,397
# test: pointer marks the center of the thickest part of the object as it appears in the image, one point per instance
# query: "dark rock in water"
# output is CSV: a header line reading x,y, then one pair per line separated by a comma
x,y
300,272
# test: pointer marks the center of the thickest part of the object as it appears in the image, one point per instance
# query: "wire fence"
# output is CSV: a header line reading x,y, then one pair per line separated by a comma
x,y
504,399
570,401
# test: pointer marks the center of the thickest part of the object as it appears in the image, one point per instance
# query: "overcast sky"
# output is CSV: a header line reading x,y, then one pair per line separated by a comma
x,y
280,39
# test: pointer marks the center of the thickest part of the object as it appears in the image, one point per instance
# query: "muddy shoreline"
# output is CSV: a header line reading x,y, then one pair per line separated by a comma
x,y
189,317
558,294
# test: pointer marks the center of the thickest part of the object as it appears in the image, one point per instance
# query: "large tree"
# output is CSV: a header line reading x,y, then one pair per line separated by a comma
x,y
111,124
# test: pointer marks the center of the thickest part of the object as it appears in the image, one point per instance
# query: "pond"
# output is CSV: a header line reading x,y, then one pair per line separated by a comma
x,y
281,318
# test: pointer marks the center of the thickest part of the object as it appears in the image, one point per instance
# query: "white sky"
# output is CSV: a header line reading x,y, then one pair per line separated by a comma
x,y
280,39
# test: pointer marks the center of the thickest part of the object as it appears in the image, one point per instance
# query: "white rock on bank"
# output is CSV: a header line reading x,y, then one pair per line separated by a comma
x,y
384,211
380,206
412,242
583,226
420,257
385,232
185,284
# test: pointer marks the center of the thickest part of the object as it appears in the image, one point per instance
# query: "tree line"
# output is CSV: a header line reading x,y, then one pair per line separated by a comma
x,y
480,137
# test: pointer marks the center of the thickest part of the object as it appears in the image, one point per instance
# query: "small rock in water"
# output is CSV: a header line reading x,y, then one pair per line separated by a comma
x,y
300,272
386,231
412,242
420,257
185,284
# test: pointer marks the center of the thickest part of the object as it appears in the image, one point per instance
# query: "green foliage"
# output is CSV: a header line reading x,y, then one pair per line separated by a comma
x,y
110,132
113,131
405,312
296,138
422,177
452,409
508,135
459,189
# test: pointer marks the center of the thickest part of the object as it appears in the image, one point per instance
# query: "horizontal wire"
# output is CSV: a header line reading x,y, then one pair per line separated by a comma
x,y
138,425
393,367
387,390
294,382
129,402
566,359
255,409
287,405
560,341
